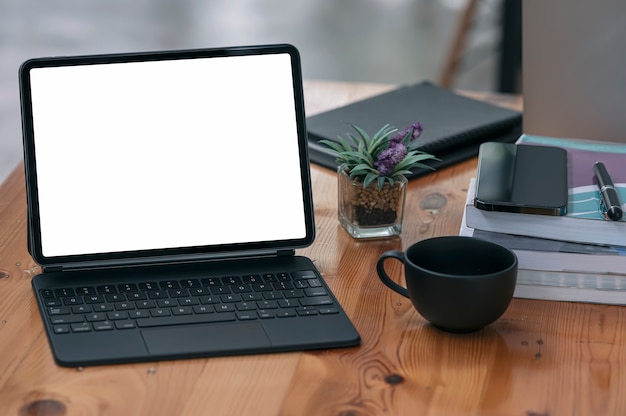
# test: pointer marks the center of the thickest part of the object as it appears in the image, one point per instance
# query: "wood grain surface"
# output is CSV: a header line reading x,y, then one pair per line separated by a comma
x,y
540,359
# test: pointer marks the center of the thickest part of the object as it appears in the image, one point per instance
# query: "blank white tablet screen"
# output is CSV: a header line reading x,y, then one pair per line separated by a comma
x,y
165,154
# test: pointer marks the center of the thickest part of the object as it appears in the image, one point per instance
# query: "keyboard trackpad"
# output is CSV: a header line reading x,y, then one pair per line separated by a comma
x,y
199,339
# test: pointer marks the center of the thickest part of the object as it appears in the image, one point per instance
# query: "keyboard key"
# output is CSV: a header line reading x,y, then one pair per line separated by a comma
x,y
306,311
84,327
300,284
267,304
316,300
220,290
136,296
160,312
102,307
252,296
91,299
124,306
140,313
52,302
203,309
282,285
86,291
94,317
73,300
295,293
178,293
207,300
81,309
65,292
187,301
157,294
148,286
198,291
269,278
124,324
265,314
127,288
245,306
46,293
190,283
115,297
169,284
288,303
316,291
114,316
304,274
273,295
314,283
103,326
246,316
145,304
225,307
166,303
327,311
252,278
211,282
66,319
262,287
231,280
285,313
188,319
61,329
183,310
283,277
106,289
230,298
241,288
62,310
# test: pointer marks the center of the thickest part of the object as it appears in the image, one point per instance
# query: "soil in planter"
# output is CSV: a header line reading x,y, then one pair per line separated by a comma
x,y
376,206
374,216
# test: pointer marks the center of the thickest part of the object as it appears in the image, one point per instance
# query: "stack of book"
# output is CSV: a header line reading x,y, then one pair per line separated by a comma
x,y
580,256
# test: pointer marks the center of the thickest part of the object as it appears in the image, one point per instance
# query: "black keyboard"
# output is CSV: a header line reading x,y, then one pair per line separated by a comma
x,y
129,306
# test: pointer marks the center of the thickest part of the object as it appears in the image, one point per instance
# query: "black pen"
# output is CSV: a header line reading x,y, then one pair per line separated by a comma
x,y
610,198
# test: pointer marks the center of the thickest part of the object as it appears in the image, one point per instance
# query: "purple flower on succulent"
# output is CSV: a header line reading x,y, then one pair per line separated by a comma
x,y
389,158
396,152
414,130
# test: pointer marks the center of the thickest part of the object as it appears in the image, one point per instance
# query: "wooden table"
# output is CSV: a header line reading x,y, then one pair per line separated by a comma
x,y
540,358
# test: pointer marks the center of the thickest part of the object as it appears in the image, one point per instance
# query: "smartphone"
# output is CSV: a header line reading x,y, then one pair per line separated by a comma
x,y
530,179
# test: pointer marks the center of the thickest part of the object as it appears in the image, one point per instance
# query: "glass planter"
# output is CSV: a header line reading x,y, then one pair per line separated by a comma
x,y
371,212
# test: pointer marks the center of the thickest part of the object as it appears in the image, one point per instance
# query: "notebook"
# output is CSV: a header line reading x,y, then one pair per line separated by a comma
x,y
167,194
454,125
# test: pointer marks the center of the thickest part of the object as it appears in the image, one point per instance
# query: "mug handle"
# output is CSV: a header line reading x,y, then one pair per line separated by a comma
x,y
380,268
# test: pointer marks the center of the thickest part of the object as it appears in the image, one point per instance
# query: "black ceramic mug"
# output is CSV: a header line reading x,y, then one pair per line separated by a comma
x,y
459,284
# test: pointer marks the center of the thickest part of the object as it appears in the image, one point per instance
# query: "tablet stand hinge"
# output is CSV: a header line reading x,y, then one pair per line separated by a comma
x,y
287,252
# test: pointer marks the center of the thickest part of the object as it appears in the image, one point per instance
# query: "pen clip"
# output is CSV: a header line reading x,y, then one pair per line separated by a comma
x,y
604,210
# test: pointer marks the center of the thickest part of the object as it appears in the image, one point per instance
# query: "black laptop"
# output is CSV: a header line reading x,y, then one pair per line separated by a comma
x,y
167,194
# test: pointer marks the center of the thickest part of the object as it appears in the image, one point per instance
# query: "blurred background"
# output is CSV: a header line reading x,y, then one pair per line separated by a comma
x,y
382,41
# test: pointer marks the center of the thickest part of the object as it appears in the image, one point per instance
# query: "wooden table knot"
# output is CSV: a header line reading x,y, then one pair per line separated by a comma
x,y
393,379
349,413
44,408
433,203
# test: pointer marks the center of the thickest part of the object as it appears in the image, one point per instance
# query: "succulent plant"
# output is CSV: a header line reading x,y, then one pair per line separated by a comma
x,y
383,157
